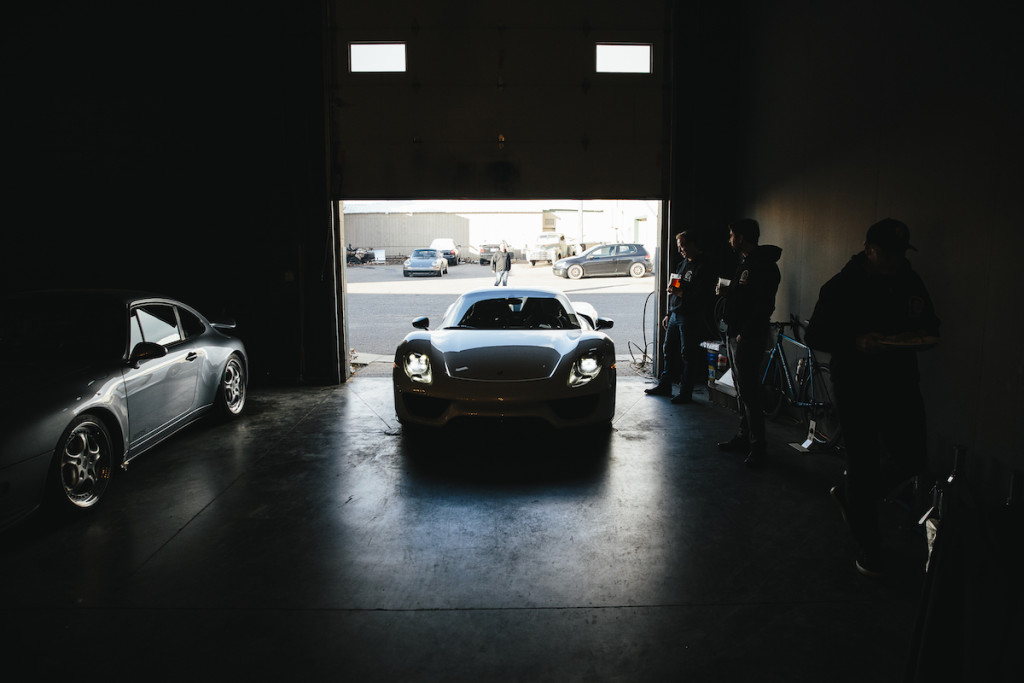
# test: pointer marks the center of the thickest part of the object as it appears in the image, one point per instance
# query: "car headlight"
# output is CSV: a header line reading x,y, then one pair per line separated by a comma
x,y
584,369
417,367
406,264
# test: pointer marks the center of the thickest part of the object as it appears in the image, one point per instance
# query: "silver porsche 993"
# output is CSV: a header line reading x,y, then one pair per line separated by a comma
x,y
92,379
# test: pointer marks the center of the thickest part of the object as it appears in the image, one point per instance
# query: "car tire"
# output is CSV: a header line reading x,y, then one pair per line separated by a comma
x,y
231,392
575,271
405,274
83,464
637,270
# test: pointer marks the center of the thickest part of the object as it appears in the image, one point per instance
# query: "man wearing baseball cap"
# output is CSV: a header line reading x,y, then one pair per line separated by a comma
x,y
873,317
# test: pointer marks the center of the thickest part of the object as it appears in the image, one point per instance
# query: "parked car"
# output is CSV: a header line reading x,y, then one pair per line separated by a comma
x,y
93,379
606,259
425,262
508,353
448,248
485,251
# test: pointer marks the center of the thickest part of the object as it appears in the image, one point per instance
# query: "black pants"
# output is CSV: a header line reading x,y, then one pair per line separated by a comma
x,y
746,358
685,358
885,436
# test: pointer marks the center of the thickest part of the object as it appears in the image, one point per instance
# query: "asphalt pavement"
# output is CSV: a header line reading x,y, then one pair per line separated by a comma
x,y
381,305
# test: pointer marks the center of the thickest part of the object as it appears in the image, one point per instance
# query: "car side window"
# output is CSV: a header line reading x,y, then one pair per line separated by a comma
x,y
190,323
157,323
625,250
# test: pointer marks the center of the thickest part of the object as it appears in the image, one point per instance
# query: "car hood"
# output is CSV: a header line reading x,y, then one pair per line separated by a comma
x,y
423,261
506,355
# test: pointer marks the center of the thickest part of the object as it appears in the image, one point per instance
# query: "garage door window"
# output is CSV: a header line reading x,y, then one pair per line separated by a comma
x,y
624,58
376,57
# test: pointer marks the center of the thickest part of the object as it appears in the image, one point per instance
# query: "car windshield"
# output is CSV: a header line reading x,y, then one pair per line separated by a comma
x,y
52,327
424,253
518,313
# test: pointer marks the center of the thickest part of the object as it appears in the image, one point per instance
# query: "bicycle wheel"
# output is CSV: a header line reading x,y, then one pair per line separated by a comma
x,y
816,403
773,388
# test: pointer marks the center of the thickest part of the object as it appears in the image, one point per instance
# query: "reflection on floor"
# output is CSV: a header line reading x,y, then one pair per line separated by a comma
x,y
312,539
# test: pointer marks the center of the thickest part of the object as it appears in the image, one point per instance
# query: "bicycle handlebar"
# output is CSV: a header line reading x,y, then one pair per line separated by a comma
x,y
795,323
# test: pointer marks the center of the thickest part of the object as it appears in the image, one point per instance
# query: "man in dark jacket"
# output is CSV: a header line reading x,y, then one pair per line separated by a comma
x,y
749,304
687,321
501,264
873,317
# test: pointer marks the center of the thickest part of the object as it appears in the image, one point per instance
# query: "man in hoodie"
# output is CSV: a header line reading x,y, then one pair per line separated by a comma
x,y
749,304
873,317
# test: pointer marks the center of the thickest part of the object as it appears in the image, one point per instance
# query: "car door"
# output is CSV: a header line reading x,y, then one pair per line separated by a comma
x,y
160,391
601,261
624,254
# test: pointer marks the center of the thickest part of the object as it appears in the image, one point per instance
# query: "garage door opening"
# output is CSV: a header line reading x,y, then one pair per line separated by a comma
x,y
613,244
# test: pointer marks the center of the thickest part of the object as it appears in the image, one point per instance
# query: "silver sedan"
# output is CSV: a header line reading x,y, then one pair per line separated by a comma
x,y
93,379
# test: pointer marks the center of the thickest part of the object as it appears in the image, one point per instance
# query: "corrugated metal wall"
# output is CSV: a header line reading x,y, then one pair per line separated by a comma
x,y
399,233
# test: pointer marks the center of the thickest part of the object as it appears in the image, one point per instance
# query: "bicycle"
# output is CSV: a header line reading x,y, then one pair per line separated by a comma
x,y
808,388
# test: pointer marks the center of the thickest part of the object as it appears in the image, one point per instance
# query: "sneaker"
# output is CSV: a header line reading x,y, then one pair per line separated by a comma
x,y
659,390
737,444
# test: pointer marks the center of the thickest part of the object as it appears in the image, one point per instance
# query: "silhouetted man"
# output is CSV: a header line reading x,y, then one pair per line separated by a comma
x,y
873,317
749,304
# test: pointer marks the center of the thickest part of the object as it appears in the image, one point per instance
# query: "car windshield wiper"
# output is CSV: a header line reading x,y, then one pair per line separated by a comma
x,y
461,327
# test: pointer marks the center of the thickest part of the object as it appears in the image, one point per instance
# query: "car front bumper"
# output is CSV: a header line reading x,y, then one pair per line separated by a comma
x,y
549,400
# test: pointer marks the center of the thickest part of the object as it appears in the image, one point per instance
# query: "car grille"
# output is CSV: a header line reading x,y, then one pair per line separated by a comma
x,y
575,408
426,407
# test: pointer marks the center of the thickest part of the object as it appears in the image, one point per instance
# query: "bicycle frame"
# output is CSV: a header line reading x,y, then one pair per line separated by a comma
x,y
778,353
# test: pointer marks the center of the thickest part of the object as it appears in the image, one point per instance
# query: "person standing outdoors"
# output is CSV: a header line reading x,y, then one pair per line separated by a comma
x,y
501,264
749,304
686,323
873,317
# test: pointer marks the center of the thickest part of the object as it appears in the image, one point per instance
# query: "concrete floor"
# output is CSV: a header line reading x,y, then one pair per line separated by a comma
x,y
311,540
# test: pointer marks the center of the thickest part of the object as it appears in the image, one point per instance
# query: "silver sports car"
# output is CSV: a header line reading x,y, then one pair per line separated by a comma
x,y
94,378
425,261
508,353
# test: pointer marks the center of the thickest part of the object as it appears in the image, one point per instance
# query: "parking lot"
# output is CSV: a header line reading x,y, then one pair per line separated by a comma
x,y
371,278
378,316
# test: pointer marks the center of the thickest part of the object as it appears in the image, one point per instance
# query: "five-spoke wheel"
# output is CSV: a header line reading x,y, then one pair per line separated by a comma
x,y
83,464
231,392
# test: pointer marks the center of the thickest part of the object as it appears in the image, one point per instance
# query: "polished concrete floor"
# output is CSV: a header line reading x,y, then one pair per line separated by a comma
x,y
311,540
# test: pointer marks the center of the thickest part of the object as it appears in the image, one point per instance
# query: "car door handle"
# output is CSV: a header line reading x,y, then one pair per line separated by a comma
x,y
192,355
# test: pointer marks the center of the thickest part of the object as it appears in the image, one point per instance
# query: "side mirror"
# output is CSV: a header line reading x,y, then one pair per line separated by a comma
x,y
604,324
421,323
146,351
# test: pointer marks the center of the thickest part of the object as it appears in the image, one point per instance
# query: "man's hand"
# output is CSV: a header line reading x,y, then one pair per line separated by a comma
x,y
664,323
869,343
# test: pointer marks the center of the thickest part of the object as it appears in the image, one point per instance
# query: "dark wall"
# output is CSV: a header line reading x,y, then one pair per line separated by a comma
x,y
175,148
857,112
183,148
500,100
